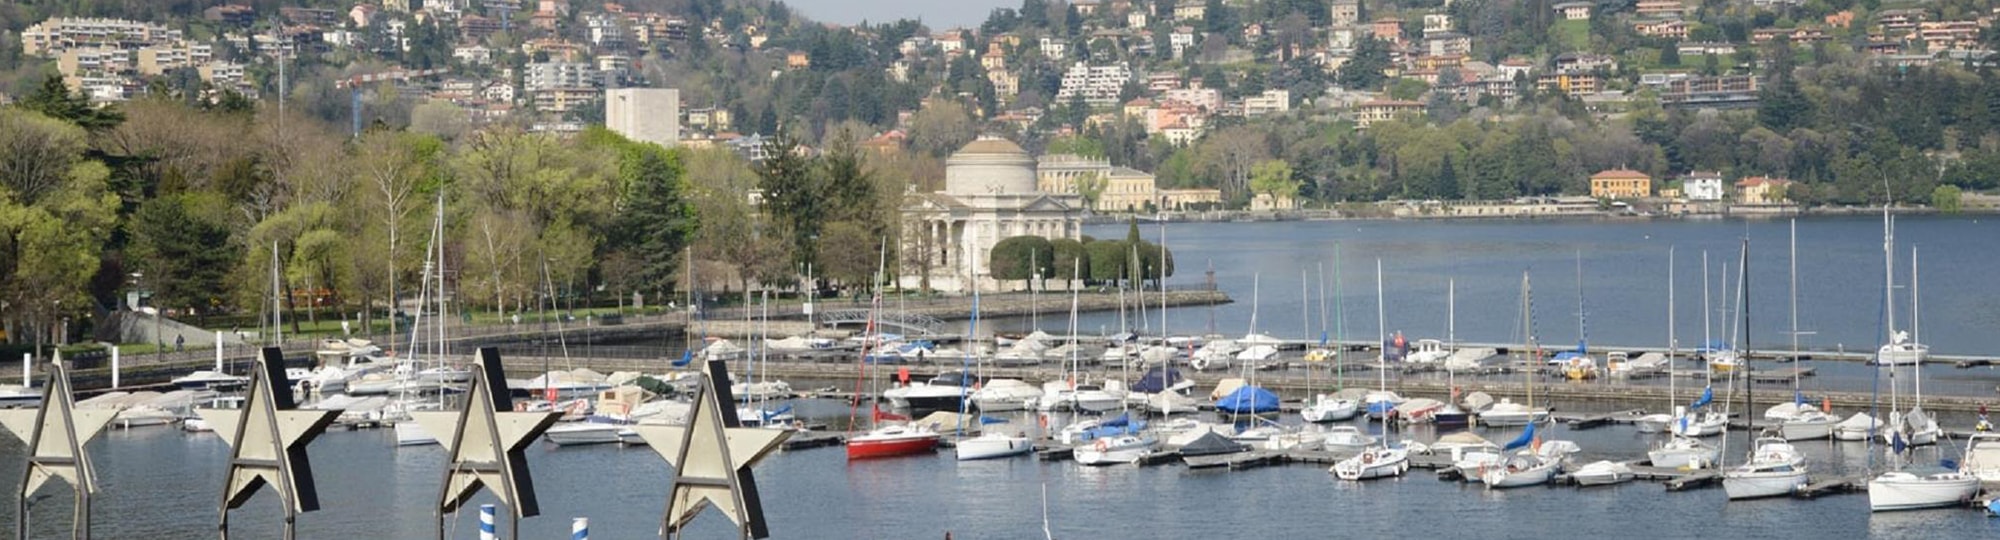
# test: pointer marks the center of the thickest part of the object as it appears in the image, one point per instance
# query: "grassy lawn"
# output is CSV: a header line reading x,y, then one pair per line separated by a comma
x,y
1572,35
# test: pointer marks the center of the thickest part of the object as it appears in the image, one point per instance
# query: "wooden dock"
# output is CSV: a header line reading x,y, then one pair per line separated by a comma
x,y
1254,459
1695,481
1164,457
1592,421
1829,486
814,441
1054,452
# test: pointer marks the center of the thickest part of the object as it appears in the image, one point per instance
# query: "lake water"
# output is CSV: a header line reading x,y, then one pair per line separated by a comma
x,y
161,483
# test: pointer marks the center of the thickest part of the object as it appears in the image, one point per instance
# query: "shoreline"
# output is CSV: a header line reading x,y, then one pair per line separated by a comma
x,y
1410,211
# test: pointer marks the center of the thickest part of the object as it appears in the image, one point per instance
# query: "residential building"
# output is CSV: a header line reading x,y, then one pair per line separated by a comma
x,y
1181,40
1204,98
1758,190
1190,199
1346,12
1702,186
1053,49
1621,184
1802,34
1698,48
1573,11
1711,92
950,41
1667,28
1190,10
1436,23
1097,85
549,75
1899,21
1447,44
1583,62
1269,102
51,37
1660,8
565,100
644,114
1388,29
1367,114
1573,84
473,54
606,30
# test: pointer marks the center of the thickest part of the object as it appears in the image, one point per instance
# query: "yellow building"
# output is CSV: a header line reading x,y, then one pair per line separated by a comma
x,y
1185,199
1761,190
1621,184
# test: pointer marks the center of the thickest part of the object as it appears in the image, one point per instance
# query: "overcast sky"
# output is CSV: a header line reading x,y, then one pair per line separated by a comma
x,y
937,14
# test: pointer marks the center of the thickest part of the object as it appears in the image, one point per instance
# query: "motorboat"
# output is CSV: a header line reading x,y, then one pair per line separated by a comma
x,y
1508,413
1684,452
1181,432
209,380
994,446
1418,410
1775,468
1325,408
1451,416
1295,440
1374,462
1428,351
14,395
411,434
752,391
1621,364
1005,395
1346,437
1901,351
1214,355
1094,398
1248,400
796,344
1579,367
1654,423
892,441
1468,359
1524,468
583,433
941,393
1982,456
1091,429
1723,361
1115,450
1915,427
1381,404
1602,473
722,349
1209,449
1902,490
142,416
1257,355
1860,427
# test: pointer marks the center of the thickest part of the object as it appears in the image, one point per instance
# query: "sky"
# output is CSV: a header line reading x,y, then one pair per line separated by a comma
x,y
937,14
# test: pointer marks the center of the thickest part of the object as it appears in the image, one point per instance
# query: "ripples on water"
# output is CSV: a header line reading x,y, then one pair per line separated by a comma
x,y
160,483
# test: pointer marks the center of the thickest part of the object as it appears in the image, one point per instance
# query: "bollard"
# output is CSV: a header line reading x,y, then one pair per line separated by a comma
x,y
27,370
579,529
486,522
114,367
218,351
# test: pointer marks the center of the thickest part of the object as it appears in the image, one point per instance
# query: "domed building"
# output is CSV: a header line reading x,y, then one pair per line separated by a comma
x,y
989,195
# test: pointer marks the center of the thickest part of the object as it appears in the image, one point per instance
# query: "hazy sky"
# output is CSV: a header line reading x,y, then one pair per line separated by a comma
x,y
937,14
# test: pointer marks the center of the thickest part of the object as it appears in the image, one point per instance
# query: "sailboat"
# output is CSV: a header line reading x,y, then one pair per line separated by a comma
x,y
1379,461
1800,421
1678,451
1694,421
1451,415
1527,467
1579,365
1382,403
1774,467
1659,422
1332,408
411,376
1249,398
1507,412
884,440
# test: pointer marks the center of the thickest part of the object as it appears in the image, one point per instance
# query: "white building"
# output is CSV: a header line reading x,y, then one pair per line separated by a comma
x,y
553,75
1271,101
1703,186
1098,85
990,195
644,114
53,36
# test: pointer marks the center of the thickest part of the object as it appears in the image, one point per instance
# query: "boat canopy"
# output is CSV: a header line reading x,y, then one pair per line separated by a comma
x,y
1211,443
1248,399
1527,437
1157,379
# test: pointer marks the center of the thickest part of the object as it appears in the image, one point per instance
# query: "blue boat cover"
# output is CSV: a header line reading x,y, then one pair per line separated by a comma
x,y
1157,379
1248,400
985,420
1707,396
1527,437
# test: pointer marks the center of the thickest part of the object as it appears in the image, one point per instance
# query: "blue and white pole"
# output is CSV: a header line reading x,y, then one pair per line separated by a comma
x,y
486,522
579,529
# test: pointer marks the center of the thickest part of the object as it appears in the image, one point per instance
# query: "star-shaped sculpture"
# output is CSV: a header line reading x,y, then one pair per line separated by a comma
x,y
56,434
485,445
712,456
267,442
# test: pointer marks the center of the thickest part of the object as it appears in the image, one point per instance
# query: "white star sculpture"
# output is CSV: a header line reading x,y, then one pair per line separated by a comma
x,y
56,434
267,443
485,445
712,456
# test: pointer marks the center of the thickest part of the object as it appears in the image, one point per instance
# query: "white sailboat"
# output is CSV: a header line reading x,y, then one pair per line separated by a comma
x,y
1982,456
1698,421
1804,422
1774,468
1332,408
1374,462
1660,422
1507,412
1381,403
1121,449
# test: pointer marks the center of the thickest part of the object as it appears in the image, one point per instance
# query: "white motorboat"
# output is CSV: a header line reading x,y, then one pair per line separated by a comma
x,y
1005,395
583,433
1775,468
1346,437
196,425
1167,403
1295,440
932,396
1214,355
14,395
1325,408
1602,473
1684,452
1654,423
1900,490
1428,351
1380,404
796,344
209,380
1181,431
1257,355
1115,450
1468,359
1859,427
994,446
1471,463
1704,424
1982,456
1090,397
1508,413
1901,351
1525,468
764,390
1374,462
1808,424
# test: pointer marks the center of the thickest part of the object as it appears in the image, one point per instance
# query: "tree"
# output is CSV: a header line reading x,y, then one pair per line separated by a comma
x,y
1670,55
392,165
54,99
656,220
941,127
182,243
1107,260
1946,198
1071,260
1363,71
1274,178
793,198
1022,258
1090,186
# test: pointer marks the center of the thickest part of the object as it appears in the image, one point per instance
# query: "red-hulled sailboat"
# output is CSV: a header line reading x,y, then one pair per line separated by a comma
x,y
890,440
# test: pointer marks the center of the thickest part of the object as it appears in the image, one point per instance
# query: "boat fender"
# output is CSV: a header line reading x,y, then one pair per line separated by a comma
x,y
1200,364
1103,445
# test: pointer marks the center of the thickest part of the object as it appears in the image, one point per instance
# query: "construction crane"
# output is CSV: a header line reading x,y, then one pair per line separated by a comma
x,y
356,83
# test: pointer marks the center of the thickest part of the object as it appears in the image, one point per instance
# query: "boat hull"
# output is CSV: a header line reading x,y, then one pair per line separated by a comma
x,y
1331,412
1356,469
949,402
1802,430
1762,484
859,448
582,435
978,448
1535,476
1601,478
1919,493
1654,423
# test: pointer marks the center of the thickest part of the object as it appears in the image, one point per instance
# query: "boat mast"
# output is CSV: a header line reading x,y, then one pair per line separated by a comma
x,y
1167,369
1743,319
971,345
1339,321
1916,334
1795,309
1381,331
868,336
1076,365
1305,319
1335,358
1673,340
1528,340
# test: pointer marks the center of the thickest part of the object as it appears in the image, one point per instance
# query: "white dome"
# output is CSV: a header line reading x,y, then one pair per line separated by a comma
x,y
989,166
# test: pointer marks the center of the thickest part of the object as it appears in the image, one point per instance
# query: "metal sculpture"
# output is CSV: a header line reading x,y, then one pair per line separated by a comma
x,y
267,444
712,456
55,435
485,443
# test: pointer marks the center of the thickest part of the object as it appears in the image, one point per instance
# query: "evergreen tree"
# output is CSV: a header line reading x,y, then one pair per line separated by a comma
x,y
53,99
657,219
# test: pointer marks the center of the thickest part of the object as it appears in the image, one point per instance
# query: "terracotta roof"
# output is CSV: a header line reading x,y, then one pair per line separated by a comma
x,y
1620,173
1759,180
